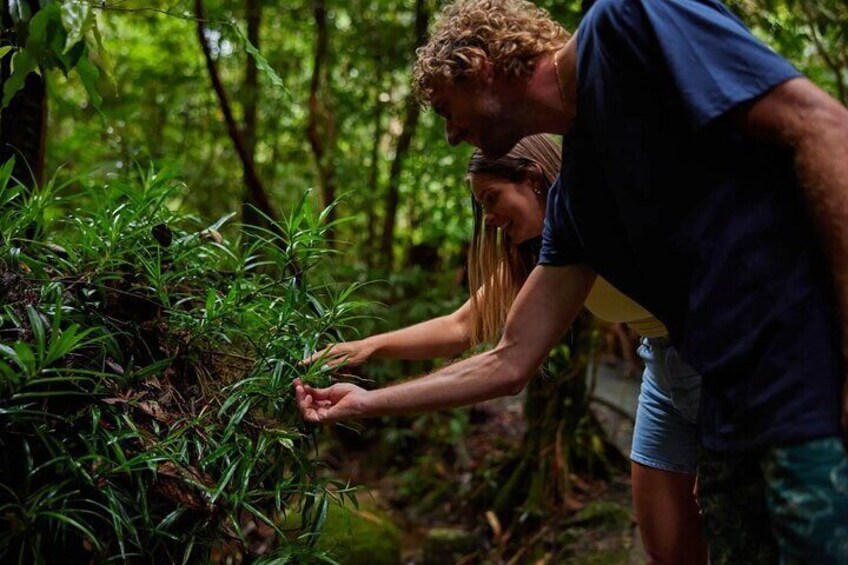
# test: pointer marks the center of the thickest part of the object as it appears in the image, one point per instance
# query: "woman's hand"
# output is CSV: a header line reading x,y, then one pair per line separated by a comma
x,y
345,353
327,405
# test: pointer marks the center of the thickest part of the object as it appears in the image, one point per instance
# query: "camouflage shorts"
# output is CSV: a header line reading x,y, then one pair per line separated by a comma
x,y
784,505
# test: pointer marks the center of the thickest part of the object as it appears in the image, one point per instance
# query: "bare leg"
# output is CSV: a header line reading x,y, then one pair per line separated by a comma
x,y
669,522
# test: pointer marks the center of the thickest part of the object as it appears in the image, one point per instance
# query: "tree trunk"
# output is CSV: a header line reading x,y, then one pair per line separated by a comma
x,y
374,177
410,122
251,179
23,124
250,101
321,126
562,437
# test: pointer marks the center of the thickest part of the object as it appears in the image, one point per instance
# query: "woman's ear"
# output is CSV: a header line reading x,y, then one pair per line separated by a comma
x,y
536,179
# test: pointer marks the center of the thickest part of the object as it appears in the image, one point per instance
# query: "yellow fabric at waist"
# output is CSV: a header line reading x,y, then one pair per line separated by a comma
x,y
649,327
610,304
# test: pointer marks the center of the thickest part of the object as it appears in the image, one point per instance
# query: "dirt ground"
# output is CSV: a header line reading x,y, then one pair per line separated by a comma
x,y
597,527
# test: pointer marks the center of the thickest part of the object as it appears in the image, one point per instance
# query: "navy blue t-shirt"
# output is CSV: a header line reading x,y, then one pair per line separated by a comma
x,y
662,195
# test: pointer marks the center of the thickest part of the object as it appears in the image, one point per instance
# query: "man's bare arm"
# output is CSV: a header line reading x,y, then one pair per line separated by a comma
x,y
546,306
800,115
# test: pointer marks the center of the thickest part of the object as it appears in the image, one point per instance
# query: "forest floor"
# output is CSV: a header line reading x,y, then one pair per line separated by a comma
x,y
596,528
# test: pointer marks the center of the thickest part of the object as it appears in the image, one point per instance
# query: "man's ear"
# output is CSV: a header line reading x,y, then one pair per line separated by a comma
x,y
486,72
480,67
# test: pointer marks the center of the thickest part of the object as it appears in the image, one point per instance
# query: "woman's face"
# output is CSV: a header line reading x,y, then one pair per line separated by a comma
x,y
510,206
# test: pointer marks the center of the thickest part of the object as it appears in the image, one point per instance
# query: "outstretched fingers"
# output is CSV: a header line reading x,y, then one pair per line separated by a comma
x,y
332,356
316,356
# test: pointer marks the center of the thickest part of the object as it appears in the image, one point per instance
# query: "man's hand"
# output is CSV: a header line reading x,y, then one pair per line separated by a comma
x,y
345,353
327,405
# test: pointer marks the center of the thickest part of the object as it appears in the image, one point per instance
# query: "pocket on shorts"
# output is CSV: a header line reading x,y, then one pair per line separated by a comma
x,y
684,386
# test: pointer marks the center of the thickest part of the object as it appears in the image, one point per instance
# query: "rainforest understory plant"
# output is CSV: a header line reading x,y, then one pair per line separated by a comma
x,y
146,360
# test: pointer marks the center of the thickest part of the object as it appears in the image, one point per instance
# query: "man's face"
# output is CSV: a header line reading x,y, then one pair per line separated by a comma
x,y
478,113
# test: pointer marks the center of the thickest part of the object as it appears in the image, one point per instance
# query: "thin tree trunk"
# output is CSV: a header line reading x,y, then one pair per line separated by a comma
x,y
251,179
559,437
321,126
410,122
23,124
250,100
374,177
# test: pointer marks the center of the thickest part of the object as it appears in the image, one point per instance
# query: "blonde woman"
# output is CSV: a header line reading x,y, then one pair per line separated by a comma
x,y
509,211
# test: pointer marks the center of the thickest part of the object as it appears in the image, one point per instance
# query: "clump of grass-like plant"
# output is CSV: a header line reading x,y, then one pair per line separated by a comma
x,y
146,411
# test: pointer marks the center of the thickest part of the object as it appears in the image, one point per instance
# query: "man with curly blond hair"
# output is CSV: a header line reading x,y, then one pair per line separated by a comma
x,y
707,179
482,40
512,37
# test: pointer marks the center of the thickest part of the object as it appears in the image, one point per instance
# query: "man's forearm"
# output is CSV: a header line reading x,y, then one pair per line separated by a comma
x,y
482,377
543,310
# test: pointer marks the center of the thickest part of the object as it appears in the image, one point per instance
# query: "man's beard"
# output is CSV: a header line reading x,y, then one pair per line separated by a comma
x,y
501,135
499,144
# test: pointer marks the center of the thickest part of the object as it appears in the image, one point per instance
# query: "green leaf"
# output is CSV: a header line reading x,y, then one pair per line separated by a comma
x,y
78,19
70,58
37,327
82,528
4,50
89,74
187,553
22,65
6,174
225,480
21,355
20,11
211,299
9,374
66,342
43,29
262,63
94,42
318,524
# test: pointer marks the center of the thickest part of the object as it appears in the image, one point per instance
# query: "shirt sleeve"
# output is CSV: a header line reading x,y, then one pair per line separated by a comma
x,y
560,240
713,61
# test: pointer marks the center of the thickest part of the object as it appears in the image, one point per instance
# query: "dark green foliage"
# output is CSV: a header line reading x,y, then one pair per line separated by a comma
x,y
812,35
52,35
146,409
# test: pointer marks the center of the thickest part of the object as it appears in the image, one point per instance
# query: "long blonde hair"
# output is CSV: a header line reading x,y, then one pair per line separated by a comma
x,y
494,260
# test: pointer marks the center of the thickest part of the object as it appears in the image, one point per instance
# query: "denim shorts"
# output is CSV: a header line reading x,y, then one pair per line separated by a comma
x,y
665,435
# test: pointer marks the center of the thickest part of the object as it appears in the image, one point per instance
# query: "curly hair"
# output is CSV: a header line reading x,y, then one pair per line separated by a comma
x,y
511,34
